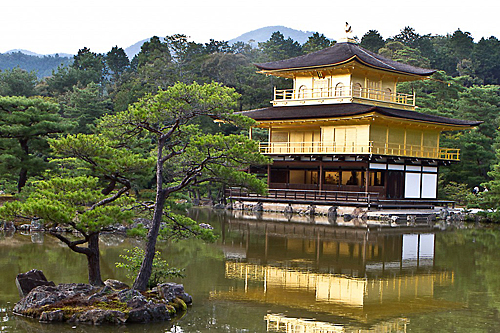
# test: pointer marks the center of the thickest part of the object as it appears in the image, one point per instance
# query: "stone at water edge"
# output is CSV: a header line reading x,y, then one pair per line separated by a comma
x,y
83,303
52,316
98,317
46,295
25,282
170,291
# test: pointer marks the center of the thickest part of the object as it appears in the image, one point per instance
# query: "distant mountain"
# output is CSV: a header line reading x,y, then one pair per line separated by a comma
x,y
24,52
27,52
256,36
132,50
253,37
263,34
43,65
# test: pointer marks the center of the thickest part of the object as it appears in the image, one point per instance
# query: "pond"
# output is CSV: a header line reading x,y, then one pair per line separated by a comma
x,y
267,274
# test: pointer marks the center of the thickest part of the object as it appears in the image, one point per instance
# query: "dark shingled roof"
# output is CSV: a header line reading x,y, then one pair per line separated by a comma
x,y
340,53
348,109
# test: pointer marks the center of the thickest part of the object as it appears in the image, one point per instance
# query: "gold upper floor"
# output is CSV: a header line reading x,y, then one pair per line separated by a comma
x,y
348,83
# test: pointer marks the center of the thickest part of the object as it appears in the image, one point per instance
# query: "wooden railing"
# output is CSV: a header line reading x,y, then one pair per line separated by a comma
x,y
306,195
322,197
371,147
342,93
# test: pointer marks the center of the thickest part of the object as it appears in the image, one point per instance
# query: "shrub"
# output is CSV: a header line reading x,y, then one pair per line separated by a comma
x,y
161,271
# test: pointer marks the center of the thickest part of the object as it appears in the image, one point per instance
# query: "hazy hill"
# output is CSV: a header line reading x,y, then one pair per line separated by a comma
x,y
258,35
263,34
42,65
132,50
27,52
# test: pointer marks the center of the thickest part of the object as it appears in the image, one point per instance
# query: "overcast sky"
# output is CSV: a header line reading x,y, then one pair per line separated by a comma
x,y
51,26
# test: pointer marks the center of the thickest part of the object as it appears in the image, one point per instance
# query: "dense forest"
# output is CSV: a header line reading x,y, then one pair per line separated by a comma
x,y
91,85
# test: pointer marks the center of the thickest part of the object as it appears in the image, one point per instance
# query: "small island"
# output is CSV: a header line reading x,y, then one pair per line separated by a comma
x,y
115,303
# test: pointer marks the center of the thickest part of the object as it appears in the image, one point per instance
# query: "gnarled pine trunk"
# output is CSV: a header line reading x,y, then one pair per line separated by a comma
x,y
93,262
141,281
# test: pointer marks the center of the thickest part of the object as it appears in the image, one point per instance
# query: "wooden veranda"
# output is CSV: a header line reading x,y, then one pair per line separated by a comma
x,y
332,198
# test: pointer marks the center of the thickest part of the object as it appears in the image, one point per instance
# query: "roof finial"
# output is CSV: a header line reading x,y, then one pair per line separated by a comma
x,y
348,28
349,38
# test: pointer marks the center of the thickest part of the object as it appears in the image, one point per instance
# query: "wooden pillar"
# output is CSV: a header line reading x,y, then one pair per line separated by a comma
x,y
320,176
386,176
367,178
268,174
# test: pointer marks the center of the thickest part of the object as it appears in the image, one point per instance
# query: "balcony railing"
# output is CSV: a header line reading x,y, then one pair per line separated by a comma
x,y
339,95
301,148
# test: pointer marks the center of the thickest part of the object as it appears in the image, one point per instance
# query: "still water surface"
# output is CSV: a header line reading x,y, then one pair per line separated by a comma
x,y
273,275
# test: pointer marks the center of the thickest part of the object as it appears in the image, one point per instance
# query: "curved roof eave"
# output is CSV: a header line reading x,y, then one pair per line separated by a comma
x,y
353,58
338,54
289,113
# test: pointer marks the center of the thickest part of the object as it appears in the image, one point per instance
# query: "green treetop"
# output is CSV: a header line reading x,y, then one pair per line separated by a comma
x,y
25,125
184,155
18,82
88,194
316,42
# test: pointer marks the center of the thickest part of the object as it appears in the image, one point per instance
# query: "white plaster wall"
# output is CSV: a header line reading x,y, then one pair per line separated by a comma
x,y
303,81
429,185
412,185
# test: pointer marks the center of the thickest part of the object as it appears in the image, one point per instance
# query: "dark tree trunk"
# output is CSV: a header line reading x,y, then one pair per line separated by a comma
x,y
23,174
23,177
93,261
141,281
209,191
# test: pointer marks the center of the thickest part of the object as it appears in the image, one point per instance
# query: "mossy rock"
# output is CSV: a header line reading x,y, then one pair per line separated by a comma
x,y
179,304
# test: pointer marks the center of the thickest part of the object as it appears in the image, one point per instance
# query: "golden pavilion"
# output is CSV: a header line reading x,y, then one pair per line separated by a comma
x,y
344,127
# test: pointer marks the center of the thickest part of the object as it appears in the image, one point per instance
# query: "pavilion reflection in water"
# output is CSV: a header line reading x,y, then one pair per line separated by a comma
x,y
373,278
280,323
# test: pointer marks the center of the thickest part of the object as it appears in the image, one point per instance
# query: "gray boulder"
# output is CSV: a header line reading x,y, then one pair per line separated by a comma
x,y
115,284
128,294
52,316
258,207
149,312
332,214
101,295
219,206
26,282
170,291
46,295
137,302
348,217
99,316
